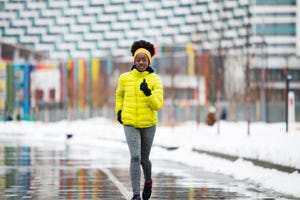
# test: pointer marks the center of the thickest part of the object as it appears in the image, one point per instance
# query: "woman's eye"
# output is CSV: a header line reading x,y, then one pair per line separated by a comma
x,y
139,60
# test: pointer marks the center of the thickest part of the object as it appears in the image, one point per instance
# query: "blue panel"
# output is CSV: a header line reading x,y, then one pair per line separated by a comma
x,y
22,89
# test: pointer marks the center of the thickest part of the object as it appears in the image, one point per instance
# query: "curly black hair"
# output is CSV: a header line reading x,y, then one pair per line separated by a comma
x,y
143,44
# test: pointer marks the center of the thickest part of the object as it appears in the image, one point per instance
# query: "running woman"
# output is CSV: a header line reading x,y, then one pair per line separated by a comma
x,y
139,96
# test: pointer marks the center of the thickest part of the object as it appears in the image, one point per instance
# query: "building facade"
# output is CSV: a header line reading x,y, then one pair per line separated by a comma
x,y
267,32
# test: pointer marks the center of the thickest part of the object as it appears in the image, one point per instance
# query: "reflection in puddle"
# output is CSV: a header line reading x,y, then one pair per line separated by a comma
x,y
86,184
166,190
67,173
168,187
33,173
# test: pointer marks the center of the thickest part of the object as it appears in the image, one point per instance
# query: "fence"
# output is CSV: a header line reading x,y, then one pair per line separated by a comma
x,y
170,114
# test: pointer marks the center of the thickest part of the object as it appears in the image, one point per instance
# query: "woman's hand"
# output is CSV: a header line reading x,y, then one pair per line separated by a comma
x,y
120,117
144,88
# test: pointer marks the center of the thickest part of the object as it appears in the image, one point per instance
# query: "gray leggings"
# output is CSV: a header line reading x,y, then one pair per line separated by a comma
x,y
139,142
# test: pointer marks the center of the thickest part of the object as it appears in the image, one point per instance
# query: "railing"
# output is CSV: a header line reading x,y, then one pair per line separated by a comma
x,y
172,113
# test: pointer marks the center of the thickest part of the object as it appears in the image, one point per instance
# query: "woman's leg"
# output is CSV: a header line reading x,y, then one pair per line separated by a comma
x,y
147,136
133,138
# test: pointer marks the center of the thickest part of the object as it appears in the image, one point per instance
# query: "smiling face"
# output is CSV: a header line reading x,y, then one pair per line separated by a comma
x,y
141,62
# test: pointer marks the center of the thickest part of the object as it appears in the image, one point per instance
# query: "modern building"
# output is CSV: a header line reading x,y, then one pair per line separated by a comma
x,y
265,31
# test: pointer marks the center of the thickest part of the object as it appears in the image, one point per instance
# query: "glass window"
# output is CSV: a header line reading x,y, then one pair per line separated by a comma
x,y
287,2
293,14
275,75
295,74
276,29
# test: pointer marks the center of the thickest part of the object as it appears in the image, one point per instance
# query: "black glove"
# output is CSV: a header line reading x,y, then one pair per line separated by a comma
x,y
119,117
144,88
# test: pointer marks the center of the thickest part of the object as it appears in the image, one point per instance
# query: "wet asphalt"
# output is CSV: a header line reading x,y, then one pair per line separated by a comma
x,y
46,170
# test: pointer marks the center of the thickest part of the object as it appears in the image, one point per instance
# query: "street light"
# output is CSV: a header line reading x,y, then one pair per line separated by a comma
x,y
288,79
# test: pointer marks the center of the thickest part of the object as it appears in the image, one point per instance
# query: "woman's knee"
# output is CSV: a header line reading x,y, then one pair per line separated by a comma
x,y
135,158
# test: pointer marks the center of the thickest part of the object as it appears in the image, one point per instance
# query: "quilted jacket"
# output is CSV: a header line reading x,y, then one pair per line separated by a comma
x,y
137,109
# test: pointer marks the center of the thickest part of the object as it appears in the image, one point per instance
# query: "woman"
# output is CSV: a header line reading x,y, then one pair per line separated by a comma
x,y
139,96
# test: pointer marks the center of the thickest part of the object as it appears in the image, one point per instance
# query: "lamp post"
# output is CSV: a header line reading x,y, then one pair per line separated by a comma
x,y
288,79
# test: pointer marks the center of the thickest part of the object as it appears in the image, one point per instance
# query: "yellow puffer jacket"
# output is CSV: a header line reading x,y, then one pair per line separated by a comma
x,y
138,110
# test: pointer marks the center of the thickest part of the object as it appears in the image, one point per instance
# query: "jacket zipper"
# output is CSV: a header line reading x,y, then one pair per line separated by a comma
x,y
136,103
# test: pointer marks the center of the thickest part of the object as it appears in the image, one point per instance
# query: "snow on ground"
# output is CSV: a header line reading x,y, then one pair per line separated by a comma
x,y
267,142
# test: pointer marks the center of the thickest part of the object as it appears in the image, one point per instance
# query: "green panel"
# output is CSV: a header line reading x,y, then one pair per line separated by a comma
x,y
10,98
10,179
274,2
276,29
10,156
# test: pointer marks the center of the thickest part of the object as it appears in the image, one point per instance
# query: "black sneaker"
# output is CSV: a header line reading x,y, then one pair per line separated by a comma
x,y
136,197
147,190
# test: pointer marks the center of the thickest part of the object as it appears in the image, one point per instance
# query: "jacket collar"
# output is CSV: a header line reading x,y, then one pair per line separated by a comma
x,y
149,69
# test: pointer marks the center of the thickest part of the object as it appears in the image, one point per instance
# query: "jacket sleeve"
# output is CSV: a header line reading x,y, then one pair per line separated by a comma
x,y
156,99
119,96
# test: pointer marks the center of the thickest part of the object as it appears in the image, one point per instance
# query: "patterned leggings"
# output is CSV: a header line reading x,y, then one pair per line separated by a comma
x,y
139,141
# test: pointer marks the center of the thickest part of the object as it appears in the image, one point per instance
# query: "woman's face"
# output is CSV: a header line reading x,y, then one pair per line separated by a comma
x,y
141,62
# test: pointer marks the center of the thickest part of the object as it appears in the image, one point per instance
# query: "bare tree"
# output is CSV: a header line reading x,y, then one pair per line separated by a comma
x,y
247,69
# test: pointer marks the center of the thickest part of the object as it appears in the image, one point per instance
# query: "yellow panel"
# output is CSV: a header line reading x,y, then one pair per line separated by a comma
x,y
95,69
2,104
2,66
2,85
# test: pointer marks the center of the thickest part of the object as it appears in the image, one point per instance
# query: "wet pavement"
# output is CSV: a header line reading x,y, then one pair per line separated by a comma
x,y
43,170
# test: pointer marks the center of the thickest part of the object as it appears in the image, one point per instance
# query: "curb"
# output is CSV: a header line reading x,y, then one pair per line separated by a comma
x,y
256,162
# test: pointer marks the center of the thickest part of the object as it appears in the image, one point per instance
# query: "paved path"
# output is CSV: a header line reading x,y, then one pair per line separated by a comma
x,y
43,170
